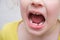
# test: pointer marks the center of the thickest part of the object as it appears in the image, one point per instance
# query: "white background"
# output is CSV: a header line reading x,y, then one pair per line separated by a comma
x,y
9,11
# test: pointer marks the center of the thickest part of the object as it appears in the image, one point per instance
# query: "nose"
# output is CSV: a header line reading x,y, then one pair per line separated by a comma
x,y
37,3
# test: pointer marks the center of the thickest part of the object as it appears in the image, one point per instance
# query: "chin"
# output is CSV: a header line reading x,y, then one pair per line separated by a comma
x,y
35,32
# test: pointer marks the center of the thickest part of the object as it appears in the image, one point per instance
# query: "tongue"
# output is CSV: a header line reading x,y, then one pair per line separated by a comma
x,y
37,19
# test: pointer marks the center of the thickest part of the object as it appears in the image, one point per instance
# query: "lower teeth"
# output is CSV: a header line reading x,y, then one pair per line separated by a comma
x,y
41,23
36,23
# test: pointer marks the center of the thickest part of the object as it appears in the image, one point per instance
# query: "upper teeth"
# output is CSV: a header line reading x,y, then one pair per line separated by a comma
x,y
36,13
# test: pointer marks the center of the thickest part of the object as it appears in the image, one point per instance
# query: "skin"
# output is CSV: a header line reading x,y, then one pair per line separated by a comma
x,y
50,9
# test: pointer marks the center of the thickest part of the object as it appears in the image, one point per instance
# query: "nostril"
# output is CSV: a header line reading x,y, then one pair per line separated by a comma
x,y
36,5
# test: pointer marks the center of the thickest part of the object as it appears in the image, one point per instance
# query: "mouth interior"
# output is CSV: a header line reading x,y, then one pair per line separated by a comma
x,y
36,18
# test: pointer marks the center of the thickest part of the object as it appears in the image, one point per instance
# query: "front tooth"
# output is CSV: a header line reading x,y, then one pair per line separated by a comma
x,y
41,23
30,21
35,24
37,13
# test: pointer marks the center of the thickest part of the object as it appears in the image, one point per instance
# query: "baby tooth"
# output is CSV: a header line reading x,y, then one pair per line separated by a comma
x,y
34,23
30,21
41,23
37,14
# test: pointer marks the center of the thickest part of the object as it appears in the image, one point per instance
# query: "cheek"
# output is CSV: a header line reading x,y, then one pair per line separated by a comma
x,y
24,4
52,9
52,6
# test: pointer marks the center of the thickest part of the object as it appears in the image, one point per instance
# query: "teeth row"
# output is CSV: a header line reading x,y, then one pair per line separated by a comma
x,y
37,14
36,23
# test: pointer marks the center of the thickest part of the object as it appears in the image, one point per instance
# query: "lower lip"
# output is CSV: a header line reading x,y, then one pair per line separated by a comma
x,y
35,27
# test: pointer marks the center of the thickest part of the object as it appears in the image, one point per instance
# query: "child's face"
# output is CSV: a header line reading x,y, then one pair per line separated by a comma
x,y
39,15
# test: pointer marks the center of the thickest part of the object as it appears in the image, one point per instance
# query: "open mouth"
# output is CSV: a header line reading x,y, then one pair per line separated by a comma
x,y
37,19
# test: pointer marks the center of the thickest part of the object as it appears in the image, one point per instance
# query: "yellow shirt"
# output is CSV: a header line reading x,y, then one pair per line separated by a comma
x,y
9,31
0,36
